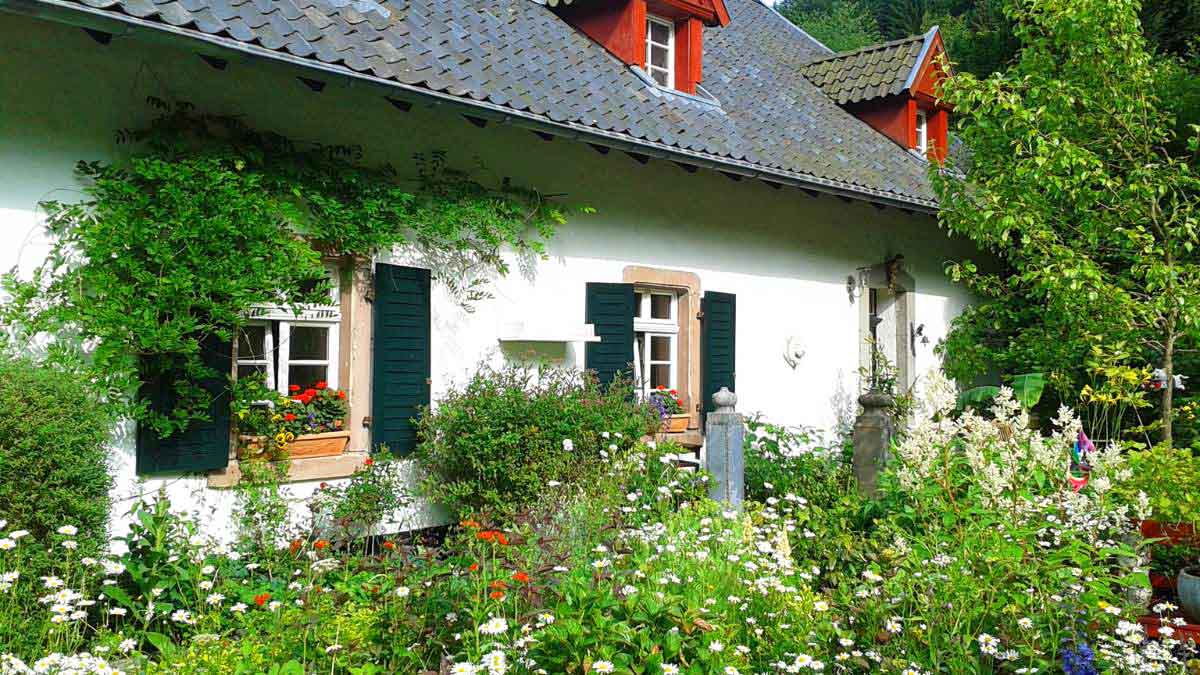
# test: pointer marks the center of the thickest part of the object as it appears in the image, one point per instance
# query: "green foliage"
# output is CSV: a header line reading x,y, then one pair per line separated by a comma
x,y
841,25
1168,479
1071,186
353,508
205,218
1026,388
492,445
276,420
54,467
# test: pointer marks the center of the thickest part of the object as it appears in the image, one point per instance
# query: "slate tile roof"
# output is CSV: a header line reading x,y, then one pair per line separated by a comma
x,y
518,57
872,72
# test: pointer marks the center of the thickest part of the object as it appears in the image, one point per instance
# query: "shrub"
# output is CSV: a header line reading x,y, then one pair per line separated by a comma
x,y
53,460
1168,478
493,445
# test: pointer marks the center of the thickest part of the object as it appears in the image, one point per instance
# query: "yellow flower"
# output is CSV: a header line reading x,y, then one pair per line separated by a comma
x,y
280,438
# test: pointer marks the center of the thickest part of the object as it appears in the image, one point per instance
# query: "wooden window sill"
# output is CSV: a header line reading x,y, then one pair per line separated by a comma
x,y
301,469
692,438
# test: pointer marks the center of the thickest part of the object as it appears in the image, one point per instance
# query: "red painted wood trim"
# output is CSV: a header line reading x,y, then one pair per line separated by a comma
x,y
939,133
911,123
689,36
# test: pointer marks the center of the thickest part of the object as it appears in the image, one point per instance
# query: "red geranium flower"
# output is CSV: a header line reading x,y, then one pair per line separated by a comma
x,y
310,392
261,599
320,385
291,417
293,388
521,577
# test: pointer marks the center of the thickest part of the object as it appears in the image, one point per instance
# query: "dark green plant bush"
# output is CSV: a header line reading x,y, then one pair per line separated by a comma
x,y
495,444
53,460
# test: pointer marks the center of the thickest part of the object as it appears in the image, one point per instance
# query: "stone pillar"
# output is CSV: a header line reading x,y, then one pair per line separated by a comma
x,y
723,450
872,440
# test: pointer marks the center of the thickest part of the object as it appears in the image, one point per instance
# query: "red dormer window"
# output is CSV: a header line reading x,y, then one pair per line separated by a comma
x,y
663,38
660,51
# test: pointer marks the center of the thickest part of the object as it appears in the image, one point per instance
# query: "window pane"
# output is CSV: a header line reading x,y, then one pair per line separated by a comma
x,y
660,306
661,77
637,305
306,376
660,348
309,343
660,375
250,343
247,371
658,57
659,33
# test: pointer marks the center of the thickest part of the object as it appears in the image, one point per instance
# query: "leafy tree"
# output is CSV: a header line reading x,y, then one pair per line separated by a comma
x,y
1072,187
841,25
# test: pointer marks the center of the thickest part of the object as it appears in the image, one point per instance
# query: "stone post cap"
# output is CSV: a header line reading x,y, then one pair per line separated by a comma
x,y
725,400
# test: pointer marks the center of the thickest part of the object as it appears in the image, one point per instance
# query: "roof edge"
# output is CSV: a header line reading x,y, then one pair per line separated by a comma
x,y
68,12
929,37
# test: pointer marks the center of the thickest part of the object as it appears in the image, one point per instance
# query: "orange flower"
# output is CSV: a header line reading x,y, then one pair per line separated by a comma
x,y
296,544
389,545
496,595
486,535
521,577
501,539
261,599
471,523
368,461
320,544
474,567
497,585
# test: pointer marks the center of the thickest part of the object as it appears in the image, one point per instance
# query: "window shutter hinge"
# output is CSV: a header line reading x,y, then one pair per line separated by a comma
x,y
699,315
367,422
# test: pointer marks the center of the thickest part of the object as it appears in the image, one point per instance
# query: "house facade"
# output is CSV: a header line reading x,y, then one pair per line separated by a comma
x,y
748,230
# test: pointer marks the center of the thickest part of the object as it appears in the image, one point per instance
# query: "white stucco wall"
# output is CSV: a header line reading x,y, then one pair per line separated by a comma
x,y
785,254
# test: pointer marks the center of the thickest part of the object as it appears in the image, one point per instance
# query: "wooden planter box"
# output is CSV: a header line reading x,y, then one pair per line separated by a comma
x,y
1184,633
1174,533
675,423
330,444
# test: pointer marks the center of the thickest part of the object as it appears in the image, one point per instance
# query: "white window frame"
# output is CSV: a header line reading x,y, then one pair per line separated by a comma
x,y
668,328
922,125
278,359
669,46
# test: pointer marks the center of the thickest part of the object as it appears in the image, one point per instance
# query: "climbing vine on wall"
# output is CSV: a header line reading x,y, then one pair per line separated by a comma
x,y
206,217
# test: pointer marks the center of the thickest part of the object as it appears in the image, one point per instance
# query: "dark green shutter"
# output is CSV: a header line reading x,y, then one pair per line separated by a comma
x,y
609,308
401,367
204,446
718,334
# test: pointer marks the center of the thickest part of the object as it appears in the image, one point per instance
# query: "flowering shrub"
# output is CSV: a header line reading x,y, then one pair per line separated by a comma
x,y
964,565
492,445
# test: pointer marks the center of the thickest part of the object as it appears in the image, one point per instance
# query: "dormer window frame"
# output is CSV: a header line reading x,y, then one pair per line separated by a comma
x,y
921,126
652,44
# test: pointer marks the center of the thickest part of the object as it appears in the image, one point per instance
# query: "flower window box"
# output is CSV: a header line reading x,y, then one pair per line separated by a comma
x,y
328,444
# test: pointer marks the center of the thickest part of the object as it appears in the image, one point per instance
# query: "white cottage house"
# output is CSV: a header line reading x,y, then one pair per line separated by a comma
x,y
762,205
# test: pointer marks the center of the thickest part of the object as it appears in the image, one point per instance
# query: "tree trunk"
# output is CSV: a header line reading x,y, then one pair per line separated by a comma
x,y
1169,387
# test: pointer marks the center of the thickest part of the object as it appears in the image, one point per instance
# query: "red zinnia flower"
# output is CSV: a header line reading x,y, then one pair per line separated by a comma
x,y
521,577
261,599
341,394
310,392
320,544
496,595
320,385
291,417
293,388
